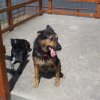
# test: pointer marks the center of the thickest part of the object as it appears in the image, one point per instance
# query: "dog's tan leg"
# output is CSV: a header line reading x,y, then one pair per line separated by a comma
x,y
57,78
36,83
62,75
33,75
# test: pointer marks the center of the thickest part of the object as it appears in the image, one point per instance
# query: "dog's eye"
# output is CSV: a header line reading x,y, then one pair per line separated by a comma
x,y
51,39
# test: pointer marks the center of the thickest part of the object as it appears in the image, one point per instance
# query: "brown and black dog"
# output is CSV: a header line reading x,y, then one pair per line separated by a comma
x,y
44,54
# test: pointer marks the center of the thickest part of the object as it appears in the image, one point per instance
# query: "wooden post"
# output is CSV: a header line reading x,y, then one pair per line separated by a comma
x,y
62,10
24,10
10,19
98,9
50,6
78,12
40,5
18,12
35,9
4,85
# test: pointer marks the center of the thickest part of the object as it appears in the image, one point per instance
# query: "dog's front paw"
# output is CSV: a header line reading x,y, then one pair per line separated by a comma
x,y
57,83
36,84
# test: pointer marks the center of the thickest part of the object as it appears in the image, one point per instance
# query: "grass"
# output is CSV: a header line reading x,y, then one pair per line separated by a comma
x,y
3,21
21,17
15,20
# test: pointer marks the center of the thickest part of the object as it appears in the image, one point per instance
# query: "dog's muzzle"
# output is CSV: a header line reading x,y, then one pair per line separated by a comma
x,y
58,47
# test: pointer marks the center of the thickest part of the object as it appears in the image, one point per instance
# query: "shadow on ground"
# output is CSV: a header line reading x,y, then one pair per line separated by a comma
x,y
16,76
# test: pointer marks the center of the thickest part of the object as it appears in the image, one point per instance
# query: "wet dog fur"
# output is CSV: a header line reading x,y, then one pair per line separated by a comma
x,y
44,55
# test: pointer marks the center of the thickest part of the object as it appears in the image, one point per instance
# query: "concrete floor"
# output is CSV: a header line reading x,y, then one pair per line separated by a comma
x,y
80,60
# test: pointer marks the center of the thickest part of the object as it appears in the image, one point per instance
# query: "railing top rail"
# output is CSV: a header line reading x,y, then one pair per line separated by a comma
x,y
17,6
93,1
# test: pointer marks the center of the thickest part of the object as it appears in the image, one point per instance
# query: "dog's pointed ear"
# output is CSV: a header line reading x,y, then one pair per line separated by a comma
x,y
49,27
40,33
11,39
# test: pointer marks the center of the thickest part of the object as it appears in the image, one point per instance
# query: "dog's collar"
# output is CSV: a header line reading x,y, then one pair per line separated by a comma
x,y
42,55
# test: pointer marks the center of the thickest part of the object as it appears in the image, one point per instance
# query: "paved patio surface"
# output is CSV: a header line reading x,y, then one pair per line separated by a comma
x,y
80,60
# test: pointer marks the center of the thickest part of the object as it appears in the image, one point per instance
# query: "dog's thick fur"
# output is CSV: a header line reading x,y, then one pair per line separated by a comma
x,y
44,54
19,50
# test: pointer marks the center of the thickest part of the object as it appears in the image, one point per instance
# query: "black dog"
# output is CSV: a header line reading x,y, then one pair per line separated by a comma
x,y
44,54
19,50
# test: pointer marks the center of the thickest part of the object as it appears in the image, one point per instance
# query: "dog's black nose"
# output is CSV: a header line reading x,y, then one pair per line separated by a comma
x,y
58,47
